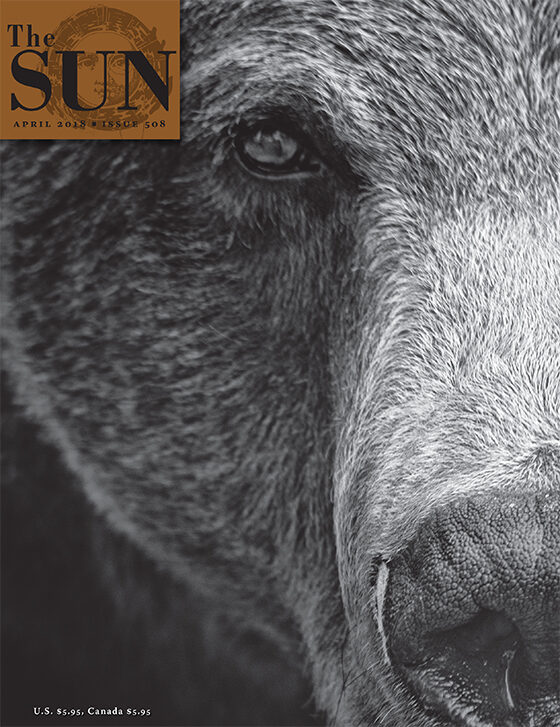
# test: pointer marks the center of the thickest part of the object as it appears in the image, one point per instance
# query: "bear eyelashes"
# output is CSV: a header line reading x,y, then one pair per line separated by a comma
x,y
270,149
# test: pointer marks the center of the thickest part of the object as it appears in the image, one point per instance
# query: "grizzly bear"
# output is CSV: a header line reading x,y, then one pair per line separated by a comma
x,y
283,398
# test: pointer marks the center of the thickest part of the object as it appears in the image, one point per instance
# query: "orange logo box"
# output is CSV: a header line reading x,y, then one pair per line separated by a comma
x,y
77,70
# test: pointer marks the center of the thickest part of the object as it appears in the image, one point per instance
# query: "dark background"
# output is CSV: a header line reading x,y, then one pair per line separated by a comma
x,y
87,620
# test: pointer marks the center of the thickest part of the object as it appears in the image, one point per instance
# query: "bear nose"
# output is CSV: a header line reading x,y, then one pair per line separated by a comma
x,y
472,613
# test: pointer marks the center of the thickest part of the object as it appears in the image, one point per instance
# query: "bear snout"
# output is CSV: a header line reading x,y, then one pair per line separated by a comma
x,y
472,619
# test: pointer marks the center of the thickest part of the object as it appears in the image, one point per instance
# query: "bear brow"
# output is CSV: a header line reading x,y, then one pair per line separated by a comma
x,y
238,85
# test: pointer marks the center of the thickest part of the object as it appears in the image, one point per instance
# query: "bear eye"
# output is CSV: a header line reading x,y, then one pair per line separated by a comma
x,y
268,150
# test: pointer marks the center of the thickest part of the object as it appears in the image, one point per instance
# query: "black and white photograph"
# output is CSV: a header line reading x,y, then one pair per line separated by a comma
x,y
281,397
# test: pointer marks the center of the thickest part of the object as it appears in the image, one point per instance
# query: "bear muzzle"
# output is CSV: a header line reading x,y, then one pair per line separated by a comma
x,y
472,612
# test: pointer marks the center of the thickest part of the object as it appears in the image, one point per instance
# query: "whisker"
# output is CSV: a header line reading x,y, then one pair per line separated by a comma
x,y
381,588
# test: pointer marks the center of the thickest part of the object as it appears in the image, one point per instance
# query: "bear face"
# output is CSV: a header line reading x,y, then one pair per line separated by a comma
x,y
278,352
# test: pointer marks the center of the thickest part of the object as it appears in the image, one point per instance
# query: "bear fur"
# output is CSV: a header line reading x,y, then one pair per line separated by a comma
x,y
236,398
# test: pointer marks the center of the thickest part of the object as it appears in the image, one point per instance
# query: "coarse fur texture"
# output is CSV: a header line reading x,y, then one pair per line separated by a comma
x,y
268,386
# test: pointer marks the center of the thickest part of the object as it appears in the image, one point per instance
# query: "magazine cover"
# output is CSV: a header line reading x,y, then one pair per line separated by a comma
x,y
281,363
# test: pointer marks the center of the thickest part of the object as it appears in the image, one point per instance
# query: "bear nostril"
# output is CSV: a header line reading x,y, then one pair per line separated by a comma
x,y
487,633
503,669
491,651
489,643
